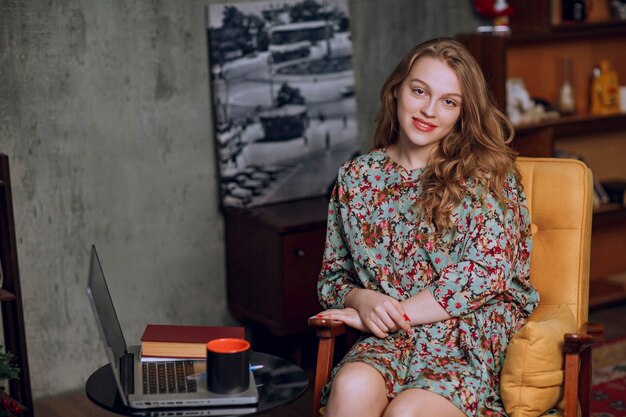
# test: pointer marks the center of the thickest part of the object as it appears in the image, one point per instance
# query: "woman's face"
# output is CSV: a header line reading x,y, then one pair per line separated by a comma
x,y
428,104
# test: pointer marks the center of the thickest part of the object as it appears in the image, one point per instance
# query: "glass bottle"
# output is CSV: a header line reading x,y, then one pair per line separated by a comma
x,y
567,102
573,10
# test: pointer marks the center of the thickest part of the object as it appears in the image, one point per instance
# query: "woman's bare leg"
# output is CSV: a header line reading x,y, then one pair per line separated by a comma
x,y
421,403
358,390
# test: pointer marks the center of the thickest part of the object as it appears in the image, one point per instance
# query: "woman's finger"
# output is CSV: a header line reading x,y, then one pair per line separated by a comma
x,y
375,329
386,320
392,315
400,318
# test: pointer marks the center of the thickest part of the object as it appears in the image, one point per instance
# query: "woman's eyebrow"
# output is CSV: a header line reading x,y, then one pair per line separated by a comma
x,y
427,85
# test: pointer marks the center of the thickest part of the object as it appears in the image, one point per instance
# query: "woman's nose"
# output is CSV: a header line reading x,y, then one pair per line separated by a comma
x,y
428,108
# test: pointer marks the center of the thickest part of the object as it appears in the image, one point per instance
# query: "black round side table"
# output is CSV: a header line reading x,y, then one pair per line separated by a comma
x,y
279,382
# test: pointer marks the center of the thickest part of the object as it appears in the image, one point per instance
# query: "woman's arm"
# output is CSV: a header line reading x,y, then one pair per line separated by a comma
x,y
337,276
339,286
496,253
422,308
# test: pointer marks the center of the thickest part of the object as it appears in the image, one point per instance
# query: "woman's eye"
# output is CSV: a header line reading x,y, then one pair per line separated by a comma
x,y
449,102
419,91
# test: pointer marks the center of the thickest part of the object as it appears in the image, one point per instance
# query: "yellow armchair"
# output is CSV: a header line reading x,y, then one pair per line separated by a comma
x,y
560,200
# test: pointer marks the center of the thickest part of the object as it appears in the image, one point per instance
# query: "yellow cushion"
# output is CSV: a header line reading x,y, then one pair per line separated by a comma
x,y
532,374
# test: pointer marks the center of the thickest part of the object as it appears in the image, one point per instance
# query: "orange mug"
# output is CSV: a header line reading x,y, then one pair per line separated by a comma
x,y
228,365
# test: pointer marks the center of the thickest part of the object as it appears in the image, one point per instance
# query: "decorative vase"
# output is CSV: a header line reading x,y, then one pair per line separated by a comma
x,y
567,102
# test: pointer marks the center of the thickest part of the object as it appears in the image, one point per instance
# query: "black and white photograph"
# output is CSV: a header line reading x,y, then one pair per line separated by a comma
x,y
283,98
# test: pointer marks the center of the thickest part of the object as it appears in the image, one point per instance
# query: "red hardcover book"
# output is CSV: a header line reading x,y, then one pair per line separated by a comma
x,y
176,341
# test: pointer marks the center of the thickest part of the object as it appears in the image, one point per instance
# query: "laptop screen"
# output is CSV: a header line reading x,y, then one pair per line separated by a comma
x,y
102,305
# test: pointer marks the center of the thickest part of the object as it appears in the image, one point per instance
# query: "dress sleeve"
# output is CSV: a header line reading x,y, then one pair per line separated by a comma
x,y
338,275
495,258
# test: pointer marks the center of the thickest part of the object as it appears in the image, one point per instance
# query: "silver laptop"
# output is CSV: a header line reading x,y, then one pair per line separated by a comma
x,y
233,410
146,385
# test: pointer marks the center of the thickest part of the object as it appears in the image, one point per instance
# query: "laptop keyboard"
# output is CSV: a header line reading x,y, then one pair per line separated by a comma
x,y
168,377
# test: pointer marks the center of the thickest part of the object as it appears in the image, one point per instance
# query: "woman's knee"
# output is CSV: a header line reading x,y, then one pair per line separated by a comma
x,y
357,380
421,403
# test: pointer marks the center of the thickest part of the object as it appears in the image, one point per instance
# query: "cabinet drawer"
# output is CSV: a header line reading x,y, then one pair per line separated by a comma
x,y
301,264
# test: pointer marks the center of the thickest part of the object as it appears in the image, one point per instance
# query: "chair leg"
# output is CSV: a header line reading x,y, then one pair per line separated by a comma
x,y
584,385
322,373
571,385
578,351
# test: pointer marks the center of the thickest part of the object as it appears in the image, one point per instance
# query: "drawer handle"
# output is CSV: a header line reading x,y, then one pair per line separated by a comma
x,y
300,253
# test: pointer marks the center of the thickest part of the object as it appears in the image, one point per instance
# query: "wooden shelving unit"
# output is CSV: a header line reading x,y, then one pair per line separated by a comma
x,y
534,53
11,295
578,125
608,214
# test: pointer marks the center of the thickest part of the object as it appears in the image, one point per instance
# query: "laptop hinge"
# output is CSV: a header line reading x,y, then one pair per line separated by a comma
x,y
127,365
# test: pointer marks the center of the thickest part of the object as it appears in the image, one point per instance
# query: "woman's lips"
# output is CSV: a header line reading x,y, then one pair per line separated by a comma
x,y
423,125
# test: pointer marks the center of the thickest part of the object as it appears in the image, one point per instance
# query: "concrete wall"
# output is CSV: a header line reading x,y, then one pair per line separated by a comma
x,y
105,115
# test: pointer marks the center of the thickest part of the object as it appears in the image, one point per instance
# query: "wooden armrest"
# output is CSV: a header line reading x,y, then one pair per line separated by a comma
x,y
577,384
591,334
326,328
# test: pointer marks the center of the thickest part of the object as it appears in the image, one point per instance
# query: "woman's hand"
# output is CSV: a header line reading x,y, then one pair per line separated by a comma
x,y
349,316
380,313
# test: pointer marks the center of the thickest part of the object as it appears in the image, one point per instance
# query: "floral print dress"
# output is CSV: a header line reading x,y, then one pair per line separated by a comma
x,y
479,274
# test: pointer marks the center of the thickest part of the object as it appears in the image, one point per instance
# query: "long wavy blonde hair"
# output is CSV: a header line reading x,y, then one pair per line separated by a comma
x,y
476,147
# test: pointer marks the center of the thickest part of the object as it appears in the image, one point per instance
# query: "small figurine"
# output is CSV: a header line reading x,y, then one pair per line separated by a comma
x,y
521,108
604,89
498,10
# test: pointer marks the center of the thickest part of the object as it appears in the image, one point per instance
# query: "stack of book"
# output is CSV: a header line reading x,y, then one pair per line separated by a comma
x,y
616,191
183,342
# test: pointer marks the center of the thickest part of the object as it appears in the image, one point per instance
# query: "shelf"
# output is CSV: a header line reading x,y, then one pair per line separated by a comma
x,y
608,291
546,17
6,296
603,293
563,32
578,125
536,59
573,32
590,28
608,214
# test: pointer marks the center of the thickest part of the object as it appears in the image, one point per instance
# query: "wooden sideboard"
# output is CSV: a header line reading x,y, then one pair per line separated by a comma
x,y
273,258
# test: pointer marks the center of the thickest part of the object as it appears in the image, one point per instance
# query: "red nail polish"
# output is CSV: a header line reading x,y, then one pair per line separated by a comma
x,y
407,318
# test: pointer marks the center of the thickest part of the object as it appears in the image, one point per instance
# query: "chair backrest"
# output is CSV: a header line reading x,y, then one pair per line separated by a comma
x,y
560,199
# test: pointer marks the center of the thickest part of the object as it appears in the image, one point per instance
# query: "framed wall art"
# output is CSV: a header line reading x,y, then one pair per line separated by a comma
x,y
283,98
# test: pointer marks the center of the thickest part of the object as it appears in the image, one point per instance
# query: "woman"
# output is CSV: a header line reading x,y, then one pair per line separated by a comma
x,y
428,247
